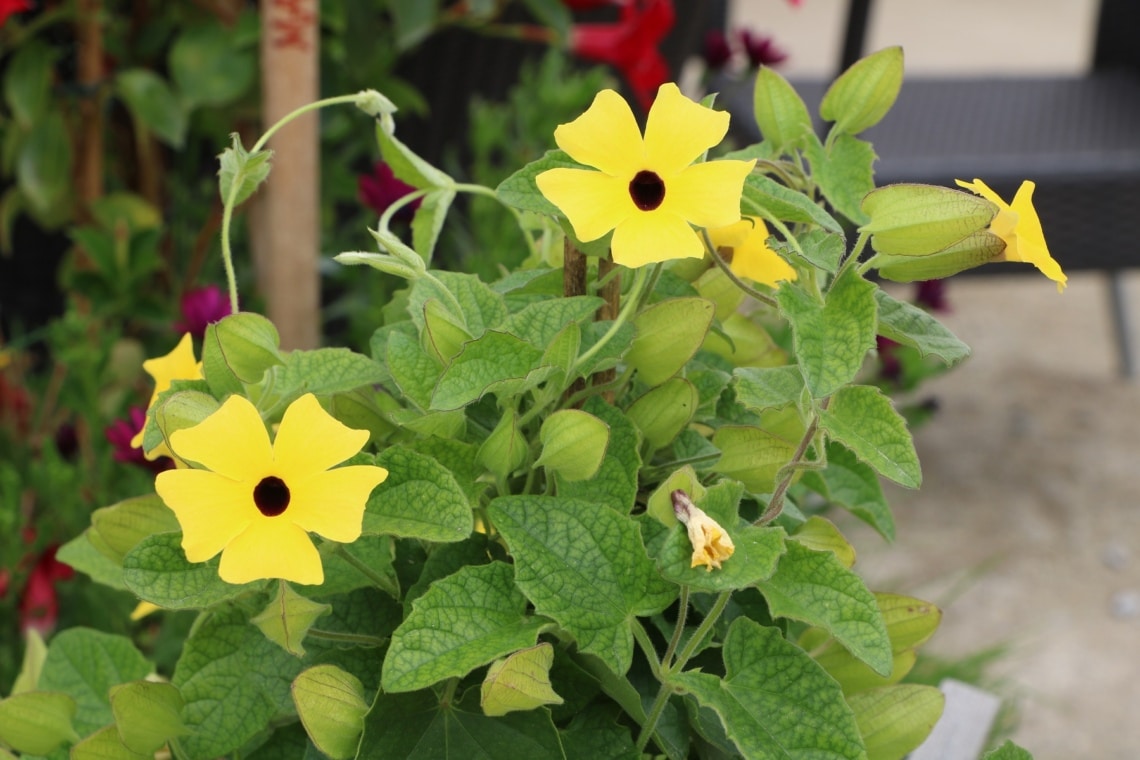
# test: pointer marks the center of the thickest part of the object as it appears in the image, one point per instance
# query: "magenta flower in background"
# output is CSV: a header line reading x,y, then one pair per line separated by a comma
x,y
382,188
201,307
119,435
931,294
892,367
761,50
716,51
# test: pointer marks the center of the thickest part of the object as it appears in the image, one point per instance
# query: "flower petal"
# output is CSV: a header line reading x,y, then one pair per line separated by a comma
x,y
593,202
310,440
179,364
649,237
211,509
753,259
981,188
232,442
1031,245
679,130
332,503
708,195
272,548
605,137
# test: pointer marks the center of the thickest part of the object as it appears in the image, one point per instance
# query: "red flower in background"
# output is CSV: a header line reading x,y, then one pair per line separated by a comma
x,y
761,50
39,604
931,294
202,307
382,188
630,45
892,367
122,431
9,7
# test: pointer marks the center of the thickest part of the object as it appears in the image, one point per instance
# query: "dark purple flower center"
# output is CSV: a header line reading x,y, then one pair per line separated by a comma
x,y
647,190
271,496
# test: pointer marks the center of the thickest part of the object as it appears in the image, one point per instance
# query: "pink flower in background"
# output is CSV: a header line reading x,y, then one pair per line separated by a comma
x,y
931,294
9,7
761,50
382,188
630,45
122,431
716,51
202,307
892,367
39,604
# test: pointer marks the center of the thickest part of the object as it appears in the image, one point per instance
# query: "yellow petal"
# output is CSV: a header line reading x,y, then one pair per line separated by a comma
x,y
981,188
179,364
272,547
1031,246
211,509
708,195
732,235
142,609
594,203
232,442
332,503
711,545
310,440
605,137
679,130
754,260
651,236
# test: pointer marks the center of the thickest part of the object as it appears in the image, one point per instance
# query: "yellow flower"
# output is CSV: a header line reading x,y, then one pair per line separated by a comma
x,y
1018,225
255,502
711,545
648,191
748,253
179,364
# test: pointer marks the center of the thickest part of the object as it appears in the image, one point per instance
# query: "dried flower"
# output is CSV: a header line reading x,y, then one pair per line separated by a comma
x,y
711,545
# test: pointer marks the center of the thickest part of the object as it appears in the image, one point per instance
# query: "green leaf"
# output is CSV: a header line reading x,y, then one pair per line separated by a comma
x,y
248,170
147,715
43,166
82,555
821,535
767,387
415,726
520,191
35,652
27,81
495,362
823,249
831,338
780,111
323,371
122,526
238,350
751,455
661,413
863,94
85,664
775,701
428,221
332,706
1008,751
520,681
540,322
234,681
413,21
36,722
815,587
668,334
574,444
615,483
758,550
152,104
854,486
287,618
480,307
864,420
764,196
406,165
158,572
896,719
582,564
209,66
414,370
844,173
419,499
553,14
463,621
444,335
907,324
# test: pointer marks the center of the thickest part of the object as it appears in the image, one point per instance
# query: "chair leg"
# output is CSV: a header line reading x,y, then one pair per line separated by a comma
x,y
1121,327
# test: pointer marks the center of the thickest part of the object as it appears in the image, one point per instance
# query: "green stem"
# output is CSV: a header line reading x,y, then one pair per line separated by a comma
x,y
630,305
646,644
679,629
724,267
788,471
379,581
239,178
449,692
347,638
488,192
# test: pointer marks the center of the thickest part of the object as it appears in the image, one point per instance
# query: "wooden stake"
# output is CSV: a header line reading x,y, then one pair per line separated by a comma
x,y
288,271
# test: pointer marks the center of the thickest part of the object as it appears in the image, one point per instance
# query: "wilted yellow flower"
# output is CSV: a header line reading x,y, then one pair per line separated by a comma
x,y
749,255
179,364
256,502
648,191
1018,225
711,545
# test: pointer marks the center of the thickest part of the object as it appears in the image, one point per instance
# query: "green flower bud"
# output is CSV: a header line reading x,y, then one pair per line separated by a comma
x,y
573,444
976,249
918,220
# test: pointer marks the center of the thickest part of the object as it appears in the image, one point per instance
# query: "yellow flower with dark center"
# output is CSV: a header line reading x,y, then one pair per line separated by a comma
x,y
749,256
648,191
179,364
256,501
711,545
1018,225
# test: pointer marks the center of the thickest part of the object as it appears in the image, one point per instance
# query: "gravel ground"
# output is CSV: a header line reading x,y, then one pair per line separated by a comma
x,y
1027,527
